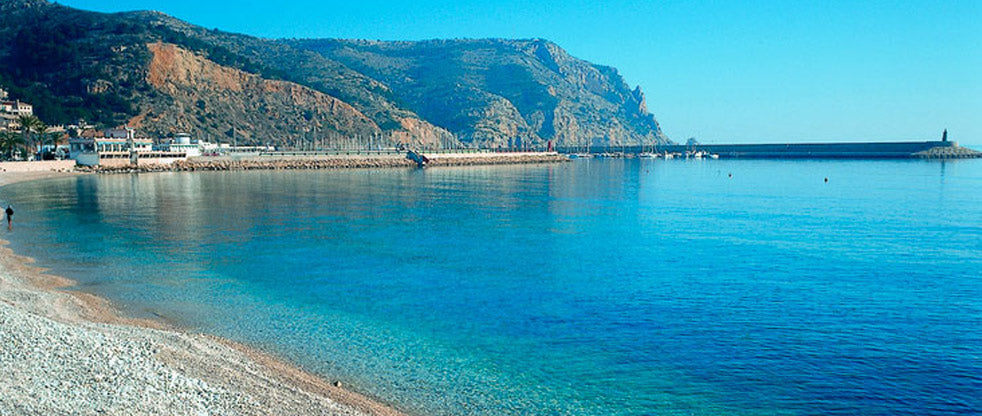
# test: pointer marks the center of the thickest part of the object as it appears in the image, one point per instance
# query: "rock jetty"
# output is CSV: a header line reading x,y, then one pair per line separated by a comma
x,y
948,152
496,159
224,164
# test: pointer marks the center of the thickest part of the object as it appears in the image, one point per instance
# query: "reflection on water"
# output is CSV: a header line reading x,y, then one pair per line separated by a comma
x,y
594,287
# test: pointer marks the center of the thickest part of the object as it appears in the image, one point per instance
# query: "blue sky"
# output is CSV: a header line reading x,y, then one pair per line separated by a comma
x,y
721,71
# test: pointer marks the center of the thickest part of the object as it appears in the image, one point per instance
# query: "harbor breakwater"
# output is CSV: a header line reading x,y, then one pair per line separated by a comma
x,y
301,161
858,150
491,158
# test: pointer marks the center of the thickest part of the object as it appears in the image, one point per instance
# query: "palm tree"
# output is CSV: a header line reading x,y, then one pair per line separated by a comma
x,y
30,125
52,138
40,131
9,143
45,135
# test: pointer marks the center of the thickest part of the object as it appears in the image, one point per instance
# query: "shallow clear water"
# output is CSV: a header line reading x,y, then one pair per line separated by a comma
x,y
593,287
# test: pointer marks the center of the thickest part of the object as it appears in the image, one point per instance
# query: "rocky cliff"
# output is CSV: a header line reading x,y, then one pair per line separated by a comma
x,y
195,92
500,92
164,75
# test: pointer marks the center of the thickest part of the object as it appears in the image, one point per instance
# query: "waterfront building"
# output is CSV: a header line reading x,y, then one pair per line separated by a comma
x,y
182,142
118,146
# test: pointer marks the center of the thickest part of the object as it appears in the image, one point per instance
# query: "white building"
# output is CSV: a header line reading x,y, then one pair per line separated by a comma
x,y
9,122
16,108
113,147
182,142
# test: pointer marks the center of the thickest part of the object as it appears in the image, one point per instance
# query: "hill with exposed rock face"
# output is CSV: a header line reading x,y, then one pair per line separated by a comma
x,y
164,76
491,91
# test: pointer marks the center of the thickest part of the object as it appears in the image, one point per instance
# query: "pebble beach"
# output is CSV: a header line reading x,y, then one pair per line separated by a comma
x,y
66,352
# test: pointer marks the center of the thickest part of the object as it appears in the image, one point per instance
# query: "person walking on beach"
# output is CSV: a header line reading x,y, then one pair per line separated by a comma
x,y
10,216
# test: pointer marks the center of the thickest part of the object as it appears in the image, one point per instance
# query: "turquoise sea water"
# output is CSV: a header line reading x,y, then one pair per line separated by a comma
x,y
619,287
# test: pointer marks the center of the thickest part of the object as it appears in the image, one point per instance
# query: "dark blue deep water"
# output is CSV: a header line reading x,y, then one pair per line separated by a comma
x,y
614,287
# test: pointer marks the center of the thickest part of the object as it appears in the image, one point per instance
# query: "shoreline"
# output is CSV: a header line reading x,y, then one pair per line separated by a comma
x,y
71,351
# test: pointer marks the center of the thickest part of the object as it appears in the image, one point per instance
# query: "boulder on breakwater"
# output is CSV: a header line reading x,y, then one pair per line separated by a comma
x,y
948,152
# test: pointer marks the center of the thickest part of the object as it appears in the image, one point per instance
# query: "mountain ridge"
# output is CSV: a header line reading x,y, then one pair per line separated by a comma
x,y
486,92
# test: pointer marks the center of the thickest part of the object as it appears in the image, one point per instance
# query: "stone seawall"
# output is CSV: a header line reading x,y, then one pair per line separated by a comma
x,y
951,152
298,163
845,150
493,159
881,150
255,164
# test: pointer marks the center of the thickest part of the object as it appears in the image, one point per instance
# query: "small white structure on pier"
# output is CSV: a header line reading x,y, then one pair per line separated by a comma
x,y
182,142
